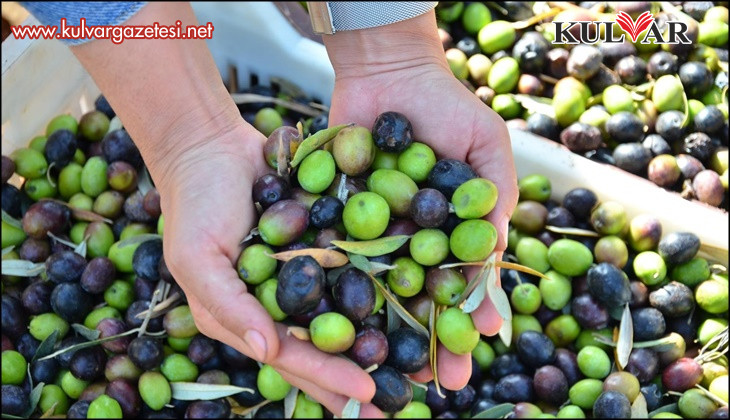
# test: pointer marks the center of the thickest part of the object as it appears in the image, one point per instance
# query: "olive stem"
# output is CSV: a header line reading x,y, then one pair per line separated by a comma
x,y
155,297
249,410
244,98
48,174
712,396
524,24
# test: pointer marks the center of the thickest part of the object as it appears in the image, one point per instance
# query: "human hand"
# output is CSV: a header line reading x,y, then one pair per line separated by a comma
x,y
204,159
206,200
402,67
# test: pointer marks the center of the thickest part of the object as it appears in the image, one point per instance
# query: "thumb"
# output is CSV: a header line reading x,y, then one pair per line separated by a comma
x,y
224,310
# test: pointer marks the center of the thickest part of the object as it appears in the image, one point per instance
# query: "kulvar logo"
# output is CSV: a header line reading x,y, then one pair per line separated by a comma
x,y
590,32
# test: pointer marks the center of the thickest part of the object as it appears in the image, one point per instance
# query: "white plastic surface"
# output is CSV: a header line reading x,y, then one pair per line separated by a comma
x,y
41,79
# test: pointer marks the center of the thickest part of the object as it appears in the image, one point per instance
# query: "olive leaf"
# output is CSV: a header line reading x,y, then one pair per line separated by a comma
x,y
659,345
333,274
8,250
373,248
46,347
35,396
22,268
88,216
87,333
524,24
380,267
10,416
639,409
398,308
314,142
11,220
79,248
191,391
351,410
245,98
669,408
115,124
535,104
342,189
625,341
392,318
496,412
572,231
252,234
522,268
360,262
138,239
327,258
144,185
290,402
477,296
433,347
89,344
248,411
299,333
50,412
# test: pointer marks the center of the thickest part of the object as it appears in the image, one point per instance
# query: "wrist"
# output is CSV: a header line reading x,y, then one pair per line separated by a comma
x,y
408,44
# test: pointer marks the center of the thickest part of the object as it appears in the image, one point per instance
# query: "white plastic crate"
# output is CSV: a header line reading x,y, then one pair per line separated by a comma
x,y
41,79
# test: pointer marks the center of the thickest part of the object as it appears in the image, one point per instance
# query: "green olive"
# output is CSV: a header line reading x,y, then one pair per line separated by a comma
x,y
473,240
395,187
255,264
366,215
416,161
456,331
316,172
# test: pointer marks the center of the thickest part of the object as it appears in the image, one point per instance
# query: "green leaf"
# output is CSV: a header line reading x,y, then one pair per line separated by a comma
x,y
191,391
496,412
360,262
290,402
669,408
351,410
314,142
138,239
625,342
46,347
638,408
572,231
87,333
8,250
89,343
22,268
333,274
392,318
375,247
144,185
35,396
378,267
11,220
10,416
477,296
398,308
342,191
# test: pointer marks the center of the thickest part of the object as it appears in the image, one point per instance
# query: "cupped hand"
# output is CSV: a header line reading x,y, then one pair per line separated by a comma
x,y
208,210
446,116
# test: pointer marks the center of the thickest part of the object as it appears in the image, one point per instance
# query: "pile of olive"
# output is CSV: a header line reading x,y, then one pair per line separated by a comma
x,y
659,112
82,182
597,263
386,199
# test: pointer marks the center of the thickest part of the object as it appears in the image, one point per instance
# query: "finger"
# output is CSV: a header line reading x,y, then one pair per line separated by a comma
x,y
454,370
225,329
334,402
332,373
219,294
491,156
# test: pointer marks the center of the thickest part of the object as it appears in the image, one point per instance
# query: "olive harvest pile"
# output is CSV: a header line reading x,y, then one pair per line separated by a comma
x,y
398,213
657,111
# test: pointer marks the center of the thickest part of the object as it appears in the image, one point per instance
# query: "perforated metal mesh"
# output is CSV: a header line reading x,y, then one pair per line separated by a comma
x,y
352,15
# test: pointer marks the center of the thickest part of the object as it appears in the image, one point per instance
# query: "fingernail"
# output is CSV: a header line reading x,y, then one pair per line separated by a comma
x,y
256,343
